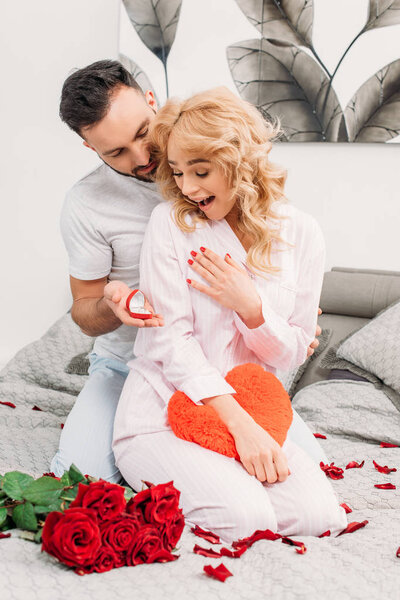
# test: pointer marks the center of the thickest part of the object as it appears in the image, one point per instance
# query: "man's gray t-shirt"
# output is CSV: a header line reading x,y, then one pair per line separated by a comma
x,y
103,221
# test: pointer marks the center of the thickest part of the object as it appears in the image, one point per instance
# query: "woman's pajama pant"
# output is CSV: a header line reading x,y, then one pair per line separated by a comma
x,y
217,493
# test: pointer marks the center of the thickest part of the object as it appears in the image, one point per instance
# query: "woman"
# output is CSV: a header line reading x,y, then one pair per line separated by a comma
x,y
237,274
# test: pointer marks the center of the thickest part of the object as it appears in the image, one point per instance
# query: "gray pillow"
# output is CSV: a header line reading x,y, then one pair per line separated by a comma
x,y
375,347
78,365
290,379
332,361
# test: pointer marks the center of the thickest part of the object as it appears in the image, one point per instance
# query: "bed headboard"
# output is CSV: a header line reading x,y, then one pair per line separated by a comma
x,y
350,298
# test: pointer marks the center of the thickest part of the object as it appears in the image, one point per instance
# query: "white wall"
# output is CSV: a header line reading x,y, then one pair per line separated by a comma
x,y
40,42
351,189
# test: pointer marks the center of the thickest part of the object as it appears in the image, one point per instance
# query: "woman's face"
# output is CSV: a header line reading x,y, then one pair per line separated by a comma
x,y
201,181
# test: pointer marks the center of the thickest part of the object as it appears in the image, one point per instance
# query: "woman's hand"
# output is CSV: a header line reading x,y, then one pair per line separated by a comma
x,y
115,295
259,453
229,284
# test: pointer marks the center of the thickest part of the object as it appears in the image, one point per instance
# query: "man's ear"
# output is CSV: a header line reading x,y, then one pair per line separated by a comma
x,y
150,99
87,145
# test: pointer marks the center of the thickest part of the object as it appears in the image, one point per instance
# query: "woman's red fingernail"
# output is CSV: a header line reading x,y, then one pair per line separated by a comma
x,y
189,280
190,261
202,248
229,255
193,253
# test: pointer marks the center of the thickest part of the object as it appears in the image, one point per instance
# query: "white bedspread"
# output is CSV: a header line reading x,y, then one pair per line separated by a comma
x,y
354,416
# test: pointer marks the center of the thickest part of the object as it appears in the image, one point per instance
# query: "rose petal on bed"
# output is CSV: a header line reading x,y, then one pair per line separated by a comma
x,y
351,527
301,550
320,436
62,425
206,535
346,508
233,553
387,445
331,470
206,552
385,486
288,540
355,465
398,552
265,534
326,533
36,408
4,535
220,572
387,470
10,404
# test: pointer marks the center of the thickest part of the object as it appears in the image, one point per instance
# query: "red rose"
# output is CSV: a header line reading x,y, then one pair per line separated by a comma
x,y
107,499
105,560
147,543
73,536
158,504
120,533
172,530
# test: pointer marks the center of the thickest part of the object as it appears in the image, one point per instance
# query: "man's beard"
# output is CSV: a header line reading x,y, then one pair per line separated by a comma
x,y
148,178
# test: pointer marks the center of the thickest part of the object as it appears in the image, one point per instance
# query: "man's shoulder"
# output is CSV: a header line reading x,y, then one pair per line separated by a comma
x,y
102,187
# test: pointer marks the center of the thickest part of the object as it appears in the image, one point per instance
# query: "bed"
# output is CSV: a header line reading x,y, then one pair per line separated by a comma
x,y
354,408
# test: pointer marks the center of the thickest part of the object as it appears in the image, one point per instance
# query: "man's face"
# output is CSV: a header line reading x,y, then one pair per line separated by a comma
x,y
121,137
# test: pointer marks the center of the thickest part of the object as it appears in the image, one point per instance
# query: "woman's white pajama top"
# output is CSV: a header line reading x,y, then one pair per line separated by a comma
x,y
202,340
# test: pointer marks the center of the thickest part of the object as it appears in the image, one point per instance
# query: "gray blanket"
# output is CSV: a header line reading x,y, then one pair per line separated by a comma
x,y
354,416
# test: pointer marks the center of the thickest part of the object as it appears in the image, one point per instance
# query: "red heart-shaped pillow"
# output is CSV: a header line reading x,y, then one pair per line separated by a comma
x,y
260,393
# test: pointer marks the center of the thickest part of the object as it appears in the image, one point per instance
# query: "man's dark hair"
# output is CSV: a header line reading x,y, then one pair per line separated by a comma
x,y
86,94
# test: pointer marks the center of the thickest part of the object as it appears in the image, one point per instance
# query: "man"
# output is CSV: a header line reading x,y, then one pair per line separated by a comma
x,y
103,222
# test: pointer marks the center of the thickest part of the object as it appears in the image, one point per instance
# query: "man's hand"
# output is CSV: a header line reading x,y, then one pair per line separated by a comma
x,y
315,343
115,295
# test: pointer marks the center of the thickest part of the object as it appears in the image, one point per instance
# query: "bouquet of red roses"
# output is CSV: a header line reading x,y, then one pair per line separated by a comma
x,y
92,525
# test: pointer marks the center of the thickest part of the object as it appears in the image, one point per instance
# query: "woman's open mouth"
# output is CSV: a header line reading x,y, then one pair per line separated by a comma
x,y
205,203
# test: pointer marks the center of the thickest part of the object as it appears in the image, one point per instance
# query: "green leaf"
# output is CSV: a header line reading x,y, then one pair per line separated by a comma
x,y
75,475
3,516
65,479
38,536
24,517
8,524
70,495
44,491
128,493
41,509
15,483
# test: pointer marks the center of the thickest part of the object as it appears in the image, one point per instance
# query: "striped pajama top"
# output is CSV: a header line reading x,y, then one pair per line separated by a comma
x,y
201,340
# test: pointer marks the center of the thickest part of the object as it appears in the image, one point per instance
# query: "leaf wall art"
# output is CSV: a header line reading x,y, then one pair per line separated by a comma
x,y
155,21
283,80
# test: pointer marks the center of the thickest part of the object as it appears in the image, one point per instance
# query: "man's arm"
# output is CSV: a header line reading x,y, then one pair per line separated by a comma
x,y
89,309
96,314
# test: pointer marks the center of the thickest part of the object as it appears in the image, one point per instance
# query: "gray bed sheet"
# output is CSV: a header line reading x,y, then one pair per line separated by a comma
x,y
354,416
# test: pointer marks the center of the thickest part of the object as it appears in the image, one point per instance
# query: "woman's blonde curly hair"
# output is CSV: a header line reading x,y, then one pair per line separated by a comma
x,y
218,126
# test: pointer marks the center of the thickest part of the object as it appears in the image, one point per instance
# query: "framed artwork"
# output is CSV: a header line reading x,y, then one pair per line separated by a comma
x,y
281,69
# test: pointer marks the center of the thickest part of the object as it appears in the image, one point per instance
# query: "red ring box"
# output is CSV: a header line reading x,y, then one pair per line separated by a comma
x,y
135,306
